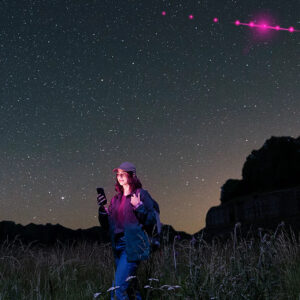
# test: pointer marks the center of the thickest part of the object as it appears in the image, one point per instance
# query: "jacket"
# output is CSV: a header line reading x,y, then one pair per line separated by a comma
x,y
137,242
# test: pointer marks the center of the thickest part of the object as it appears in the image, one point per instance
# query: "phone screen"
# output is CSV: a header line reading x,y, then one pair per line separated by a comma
x,y
100,191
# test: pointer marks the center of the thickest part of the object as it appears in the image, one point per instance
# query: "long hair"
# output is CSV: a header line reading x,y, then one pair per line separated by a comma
x,y
133,181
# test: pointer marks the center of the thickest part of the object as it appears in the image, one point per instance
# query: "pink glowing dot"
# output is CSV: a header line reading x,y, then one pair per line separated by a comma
x,y
251,24
237,22
291,29
216,20
277,27
191,17
163,13
264,26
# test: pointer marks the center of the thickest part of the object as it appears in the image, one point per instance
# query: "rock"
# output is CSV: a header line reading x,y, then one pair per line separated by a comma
x,y
276,165
267,195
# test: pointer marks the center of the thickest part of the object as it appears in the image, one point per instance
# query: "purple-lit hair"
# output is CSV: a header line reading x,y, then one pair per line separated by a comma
x,y
133,181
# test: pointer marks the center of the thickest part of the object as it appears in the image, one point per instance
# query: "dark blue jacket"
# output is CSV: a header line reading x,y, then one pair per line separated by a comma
x,y
144,216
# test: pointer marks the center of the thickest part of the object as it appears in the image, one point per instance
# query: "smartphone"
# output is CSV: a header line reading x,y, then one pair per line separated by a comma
x,y
100,191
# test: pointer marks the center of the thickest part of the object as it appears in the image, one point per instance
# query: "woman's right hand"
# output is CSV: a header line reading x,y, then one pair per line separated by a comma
x,y
101,200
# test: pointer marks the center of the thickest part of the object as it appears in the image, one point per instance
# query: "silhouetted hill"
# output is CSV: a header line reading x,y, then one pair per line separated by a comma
x,y
50,234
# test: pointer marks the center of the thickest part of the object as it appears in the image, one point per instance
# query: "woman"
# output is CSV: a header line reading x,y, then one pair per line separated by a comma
x,y
130,211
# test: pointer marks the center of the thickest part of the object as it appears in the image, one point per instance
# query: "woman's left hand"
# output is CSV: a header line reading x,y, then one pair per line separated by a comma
x,y
136,200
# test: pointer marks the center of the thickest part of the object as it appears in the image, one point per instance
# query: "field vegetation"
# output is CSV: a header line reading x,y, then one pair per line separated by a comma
x,y
265,265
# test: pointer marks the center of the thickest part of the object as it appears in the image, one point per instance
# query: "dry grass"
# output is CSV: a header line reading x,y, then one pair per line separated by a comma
x,y
266,267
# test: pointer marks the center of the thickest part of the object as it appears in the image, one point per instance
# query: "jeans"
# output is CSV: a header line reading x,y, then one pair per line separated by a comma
x,y
124,269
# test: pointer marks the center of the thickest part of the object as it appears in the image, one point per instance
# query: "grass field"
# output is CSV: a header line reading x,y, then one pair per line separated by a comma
x,y
265,267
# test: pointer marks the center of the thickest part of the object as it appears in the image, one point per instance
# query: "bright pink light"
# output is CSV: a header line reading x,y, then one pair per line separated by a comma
x,y
216,20
265,26
163,13
191,17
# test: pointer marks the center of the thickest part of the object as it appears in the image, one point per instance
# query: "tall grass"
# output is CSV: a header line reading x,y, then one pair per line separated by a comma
x,y
266,267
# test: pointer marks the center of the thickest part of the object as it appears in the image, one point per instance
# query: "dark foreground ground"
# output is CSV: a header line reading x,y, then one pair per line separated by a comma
x,y
265,266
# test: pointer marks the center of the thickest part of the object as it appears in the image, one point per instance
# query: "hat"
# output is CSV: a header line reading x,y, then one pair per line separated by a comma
x,y
126,166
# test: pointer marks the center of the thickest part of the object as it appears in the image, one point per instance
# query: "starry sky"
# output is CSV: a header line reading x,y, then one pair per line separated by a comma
x,y
88,84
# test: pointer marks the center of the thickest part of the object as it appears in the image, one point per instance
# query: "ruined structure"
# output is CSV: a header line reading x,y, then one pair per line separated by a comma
x,y
264,209
267,194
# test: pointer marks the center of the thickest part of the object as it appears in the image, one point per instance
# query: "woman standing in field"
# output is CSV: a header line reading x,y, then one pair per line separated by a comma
x,y
130,211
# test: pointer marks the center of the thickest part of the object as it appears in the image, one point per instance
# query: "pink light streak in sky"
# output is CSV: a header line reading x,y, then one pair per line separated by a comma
x,y
251,24
265,26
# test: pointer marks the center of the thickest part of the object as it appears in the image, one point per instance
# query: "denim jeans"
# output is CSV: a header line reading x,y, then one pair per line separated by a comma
x,y
124,269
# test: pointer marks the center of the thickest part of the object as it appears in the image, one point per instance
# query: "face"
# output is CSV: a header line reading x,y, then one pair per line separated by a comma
x,y
122,177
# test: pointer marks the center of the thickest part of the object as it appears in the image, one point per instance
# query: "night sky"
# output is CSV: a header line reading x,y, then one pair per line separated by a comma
x,y
88,84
